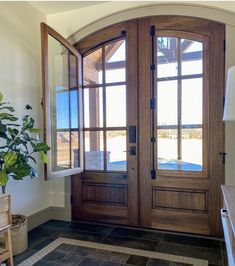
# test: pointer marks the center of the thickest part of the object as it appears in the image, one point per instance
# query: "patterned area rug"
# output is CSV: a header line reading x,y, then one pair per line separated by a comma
x,y
65,251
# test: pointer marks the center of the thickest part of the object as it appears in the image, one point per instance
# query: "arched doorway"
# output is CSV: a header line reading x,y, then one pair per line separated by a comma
x,y
153,130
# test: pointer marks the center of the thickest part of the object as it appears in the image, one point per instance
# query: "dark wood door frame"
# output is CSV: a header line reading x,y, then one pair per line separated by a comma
x,y
208,223
139,185
127,211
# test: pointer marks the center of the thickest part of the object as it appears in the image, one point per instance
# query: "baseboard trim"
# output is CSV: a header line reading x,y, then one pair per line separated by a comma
x,y
55,213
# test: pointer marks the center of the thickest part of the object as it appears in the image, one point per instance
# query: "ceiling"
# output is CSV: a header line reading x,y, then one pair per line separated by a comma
x,y
53,7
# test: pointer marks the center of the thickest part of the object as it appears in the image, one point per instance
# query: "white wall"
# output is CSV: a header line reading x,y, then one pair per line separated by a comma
x,y
20,76
82,22
20,82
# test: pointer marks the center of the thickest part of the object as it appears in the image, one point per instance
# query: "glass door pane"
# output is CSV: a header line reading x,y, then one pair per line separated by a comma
x,y
179,104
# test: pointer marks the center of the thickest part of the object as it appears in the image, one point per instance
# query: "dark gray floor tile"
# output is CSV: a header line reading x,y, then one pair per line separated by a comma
x,y
130,242
70,259
42,243
95,228
139,234
74,234
43,231
33,240
90,262
109,255
137,260
23,256
158,262
110,263
68,249
100,254
118,257
57,223
53,257
43,263
212,255
192,241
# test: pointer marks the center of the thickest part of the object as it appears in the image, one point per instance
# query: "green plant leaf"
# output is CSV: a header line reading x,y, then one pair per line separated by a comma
x,y
21,170
28,122
9,108
3,128
13,131
3,135
3,178
44,157
41,147
34,130
10,158
33,172
1,97
6,116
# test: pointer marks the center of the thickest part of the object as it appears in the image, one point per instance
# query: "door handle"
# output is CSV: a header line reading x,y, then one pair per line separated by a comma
x,y
132,150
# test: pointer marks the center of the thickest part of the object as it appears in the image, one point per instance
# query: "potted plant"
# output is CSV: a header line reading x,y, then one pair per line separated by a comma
x,y
19,143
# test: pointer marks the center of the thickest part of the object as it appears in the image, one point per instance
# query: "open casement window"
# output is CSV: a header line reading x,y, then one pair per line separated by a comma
x,y
62,104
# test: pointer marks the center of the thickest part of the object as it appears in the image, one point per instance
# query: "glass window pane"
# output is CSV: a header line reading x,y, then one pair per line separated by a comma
x,y
93,107
94,150
75,149
191,56
116,106
64,104
62,159
74,108
115,56
167,148
192,101
167,103
167,65
192,159
62,110
116,150
92,68
115,75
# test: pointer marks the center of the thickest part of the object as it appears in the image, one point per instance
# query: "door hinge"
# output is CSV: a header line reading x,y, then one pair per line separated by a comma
x,y
223,102
153,174
224,45
153,139
152,103
42,103
152,31
152,67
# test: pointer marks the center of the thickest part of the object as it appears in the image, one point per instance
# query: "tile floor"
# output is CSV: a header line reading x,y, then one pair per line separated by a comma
x,y
212,250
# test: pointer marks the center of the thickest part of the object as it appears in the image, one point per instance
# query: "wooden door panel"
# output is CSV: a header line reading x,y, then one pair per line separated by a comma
x,y
176,200
96,199
180,200
181,221
110,196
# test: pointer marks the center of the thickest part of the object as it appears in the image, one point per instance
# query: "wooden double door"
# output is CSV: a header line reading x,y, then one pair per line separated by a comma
x,y
153,131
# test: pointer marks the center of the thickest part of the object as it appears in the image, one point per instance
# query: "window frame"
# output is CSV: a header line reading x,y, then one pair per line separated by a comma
x,y
104,129
204,39
47,123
